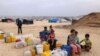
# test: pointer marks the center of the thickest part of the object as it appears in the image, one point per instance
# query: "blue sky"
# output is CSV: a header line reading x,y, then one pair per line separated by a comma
x,y
48,7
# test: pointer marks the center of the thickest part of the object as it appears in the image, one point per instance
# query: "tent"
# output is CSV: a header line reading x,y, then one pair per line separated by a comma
x,y
7,20
54,20
28,21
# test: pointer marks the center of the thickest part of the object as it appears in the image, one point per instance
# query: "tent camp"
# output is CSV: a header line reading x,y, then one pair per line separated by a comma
x,y
27,21
0,20
7,20
54,20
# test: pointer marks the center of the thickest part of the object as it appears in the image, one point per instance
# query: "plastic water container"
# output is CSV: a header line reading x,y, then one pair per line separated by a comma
x,y
67,48
20,44
63,53
8,40
46,47
59,52
13,38
27,53
28,35
11,34
1,36
19,37
55,53
39,49
33,52
58,45
36,41
29,41
1,32
46,53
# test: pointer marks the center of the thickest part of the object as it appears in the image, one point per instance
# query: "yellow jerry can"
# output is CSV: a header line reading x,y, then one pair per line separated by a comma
x,y
8,39
1,36
58,45
46,53
13,38
29,41
26,39
33,51
46,47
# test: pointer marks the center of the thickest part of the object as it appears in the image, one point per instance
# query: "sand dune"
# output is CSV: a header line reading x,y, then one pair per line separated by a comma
x,y
92,20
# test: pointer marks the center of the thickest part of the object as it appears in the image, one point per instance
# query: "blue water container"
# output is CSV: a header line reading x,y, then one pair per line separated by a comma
x,y
67,48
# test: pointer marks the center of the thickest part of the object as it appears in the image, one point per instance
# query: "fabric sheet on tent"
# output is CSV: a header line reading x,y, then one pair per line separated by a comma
x,y
54,20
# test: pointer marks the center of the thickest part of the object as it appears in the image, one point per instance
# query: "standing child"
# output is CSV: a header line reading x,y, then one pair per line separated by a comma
x,y
87,43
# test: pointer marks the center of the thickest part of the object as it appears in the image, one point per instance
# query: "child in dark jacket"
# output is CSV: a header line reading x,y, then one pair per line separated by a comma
x,y
52,43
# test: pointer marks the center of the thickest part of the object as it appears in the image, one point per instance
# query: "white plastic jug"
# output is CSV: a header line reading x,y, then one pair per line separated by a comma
x,y
36,41
1,32
59,52
20,44
20,37
55,53
28,35
11,34
27,53
63,53
39,49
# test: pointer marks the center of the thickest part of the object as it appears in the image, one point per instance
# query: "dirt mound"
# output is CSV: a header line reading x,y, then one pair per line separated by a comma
x,y
92,20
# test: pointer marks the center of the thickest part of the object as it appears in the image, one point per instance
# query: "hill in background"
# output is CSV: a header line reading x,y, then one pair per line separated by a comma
x,y
92,20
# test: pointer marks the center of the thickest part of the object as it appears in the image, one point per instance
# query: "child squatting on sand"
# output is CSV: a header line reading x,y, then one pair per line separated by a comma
x,y
86,43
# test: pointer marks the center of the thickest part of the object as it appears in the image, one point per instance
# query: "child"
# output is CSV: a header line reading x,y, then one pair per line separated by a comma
x,y
51,28
51,35
77,43
44,34
77,38
73,42
52,43
88,43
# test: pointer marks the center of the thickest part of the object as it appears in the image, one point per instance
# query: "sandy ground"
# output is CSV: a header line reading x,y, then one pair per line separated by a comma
x,y
7,49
